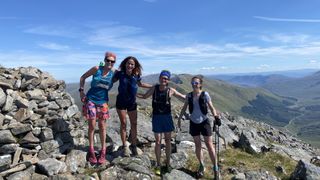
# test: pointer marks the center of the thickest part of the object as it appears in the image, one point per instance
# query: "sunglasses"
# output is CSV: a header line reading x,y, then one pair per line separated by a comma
x,y
194,83
109,61
164,78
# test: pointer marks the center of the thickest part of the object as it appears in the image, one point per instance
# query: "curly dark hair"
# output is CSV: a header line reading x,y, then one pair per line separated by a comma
x,y
137,69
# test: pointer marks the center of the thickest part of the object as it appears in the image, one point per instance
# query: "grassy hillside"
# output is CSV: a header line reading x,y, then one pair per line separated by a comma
x,y
303,116
306,88
306,91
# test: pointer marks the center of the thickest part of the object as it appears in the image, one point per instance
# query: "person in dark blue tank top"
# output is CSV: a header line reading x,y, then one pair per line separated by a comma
x,y
162,121
96,103
129,77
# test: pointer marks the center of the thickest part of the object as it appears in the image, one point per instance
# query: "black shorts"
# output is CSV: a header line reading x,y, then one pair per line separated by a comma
x,y
126,106
203,128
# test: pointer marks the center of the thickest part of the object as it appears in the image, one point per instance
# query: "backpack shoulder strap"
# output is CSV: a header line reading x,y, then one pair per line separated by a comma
x,y
190,102
203,103
203,94
155,92
168,95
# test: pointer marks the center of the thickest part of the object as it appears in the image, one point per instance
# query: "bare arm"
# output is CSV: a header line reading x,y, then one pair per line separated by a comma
x,y
144,85
147,94
83,78
178,95
212,109
115,78
183,110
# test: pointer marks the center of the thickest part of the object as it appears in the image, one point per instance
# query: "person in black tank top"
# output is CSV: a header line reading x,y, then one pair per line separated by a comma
x,y
162,121
161,101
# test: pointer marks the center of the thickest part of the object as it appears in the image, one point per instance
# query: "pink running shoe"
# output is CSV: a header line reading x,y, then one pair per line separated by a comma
x,y
92,156
102,157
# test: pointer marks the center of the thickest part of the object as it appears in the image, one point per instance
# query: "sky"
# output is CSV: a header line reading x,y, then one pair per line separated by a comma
x,y
68,37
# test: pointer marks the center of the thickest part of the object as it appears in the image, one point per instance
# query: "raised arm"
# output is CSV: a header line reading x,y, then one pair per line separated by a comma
x,y
147,94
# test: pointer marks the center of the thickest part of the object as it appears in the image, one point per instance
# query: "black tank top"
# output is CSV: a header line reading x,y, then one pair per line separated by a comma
x,y
161,101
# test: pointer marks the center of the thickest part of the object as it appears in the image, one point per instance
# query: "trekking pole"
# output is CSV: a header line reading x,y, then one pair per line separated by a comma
x,y
218,141
216,147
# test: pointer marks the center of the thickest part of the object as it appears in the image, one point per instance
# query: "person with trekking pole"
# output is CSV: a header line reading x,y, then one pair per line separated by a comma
x,y
199,101
162,121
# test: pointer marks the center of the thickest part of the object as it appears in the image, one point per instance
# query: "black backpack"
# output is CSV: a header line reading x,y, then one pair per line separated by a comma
x,y
202,103
161,105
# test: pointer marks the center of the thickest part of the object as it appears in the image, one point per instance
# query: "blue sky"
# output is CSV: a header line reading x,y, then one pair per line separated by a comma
x,y
67,37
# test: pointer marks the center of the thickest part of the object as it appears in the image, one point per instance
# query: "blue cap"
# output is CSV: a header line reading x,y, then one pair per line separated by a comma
x,y
165,73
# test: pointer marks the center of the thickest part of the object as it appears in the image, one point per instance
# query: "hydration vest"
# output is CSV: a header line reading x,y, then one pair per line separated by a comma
x,y
202,103
161,101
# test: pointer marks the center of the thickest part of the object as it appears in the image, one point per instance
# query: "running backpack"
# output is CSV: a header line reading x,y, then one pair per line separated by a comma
x,y
202,103
161,101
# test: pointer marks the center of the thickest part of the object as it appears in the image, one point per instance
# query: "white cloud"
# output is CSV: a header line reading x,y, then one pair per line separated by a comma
x,y
263,66
287,19
212,68
51,30
313,62
208,68
54,46
285,38
155,49
131,40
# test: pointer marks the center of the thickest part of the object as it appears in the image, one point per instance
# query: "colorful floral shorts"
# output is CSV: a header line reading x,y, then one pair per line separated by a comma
x,y
91,110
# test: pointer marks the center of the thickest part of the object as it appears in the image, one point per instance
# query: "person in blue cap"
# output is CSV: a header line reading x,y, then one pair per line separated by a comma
x,y
162,121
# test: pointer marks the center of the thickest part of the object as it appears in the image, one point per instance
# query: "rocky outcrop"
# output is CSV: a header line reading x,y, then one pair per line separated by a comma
x,y
38,123
305,170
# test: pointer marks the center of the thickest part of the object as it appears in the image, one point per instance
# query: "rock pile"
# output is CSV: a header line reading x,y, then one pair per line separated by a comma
x,y
38,121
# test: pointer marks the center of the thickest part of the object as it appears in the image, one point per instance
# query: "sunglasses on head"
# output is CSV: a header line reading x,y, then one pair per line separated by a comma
x,y
109,61
194,83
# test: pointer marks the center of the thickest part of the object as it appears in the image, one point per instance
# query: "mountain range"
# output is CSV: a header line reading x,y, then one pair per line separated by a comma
x,y
304,92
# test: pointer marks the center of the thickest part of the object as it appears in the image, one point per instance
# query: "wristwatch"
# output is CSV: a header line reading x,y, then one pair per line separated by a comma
x,y
80,89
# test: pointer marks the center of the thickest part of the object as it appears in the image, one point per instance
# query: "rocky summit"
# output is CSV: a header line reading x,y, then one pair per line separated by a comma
x,y
43,136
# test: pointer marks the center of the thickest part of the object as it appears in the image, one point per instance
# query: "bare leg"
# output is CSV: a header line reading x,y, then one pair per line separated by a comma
x,y
167,137
102,132
133,123
157,148
197,141
92,125
211,151
123,126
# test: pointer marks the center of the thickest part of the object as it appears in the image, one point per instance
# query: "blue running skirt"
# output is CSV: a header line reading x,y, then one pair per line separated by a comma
x,y
162,123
